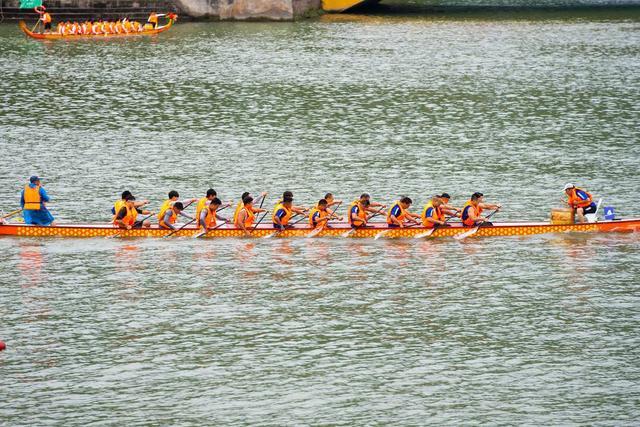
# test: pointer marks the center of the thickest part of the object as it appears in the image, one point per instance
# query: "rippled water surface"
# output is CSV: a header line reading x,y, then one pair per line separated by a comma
x,y
539,330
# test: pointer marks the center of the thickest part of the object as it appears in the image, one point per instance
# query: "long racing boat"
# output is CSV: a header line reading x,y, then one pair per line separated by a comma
x,y
171,19
335,230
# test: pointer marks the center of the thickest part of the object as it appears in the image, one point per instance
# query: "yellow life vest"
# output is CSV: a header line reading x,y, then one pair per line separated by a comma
x,y
32,200
202,204
130,217
248,222
321,215
119,204
436,214
163,208
287,214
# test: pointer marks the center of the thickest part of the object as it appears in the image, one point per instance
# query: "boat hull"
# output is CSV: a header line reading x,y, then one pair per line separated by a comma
x,y
56,36
337,230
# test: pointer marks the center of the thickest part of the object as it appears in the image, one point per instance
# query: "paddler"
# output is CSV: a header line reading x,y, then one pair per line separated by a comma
x,y
319,215
203,202
446,208
399,213
32,200
127,216
472,210
173,198
300,210
240,204
171,216
433,213
358,213
580,201
118,204
209,215
45,18
153,19
282,213
246,216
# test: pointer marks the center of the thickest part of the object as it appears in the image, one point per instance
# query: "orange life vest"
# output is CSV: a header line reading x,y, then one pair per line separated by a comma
x,y
321,214
119,204
202,204
32,200
362,214
577,201
400,217
172,219
287,214
130,217
436,213
248,221
46,18
210,219
466,219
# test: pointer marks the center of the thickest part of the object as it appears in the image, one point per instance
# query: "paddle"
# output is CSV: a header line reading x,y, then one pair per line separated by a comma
x,y
385,232
259,221
431,231
323,225
207,231
175,231
10,214
474,230
353,230
275,233
124,229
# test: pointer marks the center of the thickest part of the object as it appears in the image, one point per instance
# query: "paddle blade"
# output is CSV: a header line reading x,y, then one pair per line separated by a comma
x,y
199,235
381,234
466,234
315,232
274,234
349,233
425,234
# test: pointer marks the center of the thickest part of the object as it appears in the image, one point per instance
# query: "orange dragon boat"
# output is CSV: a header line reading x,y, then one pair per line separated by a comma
x,y
171,19
336,230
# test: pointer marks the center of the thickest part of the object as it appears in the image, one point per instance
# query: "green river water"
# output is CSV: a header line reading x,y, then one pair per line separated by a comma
x,y
541,330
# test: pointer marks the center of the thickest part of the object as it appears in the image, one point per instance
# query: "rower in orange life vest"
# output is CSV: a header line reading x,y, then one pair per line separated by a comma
x,y
580,201
320,214
171,216
167,204
433,213
204,202
446,208
247,215
32,200
358,213
399,213
282,213
209,215
300,210
118,204
472,210
240,204
127,215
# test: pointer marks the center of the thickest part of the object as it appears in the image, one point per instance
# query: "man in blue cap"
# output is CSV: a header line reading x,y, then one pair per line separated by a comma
x,y
32,200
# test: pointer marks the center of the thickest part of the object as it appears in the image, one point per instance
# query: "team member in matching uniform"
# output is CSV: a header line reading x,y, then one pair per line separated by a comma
x,y
472,210
240,204
209,215
167,204
32,201
118,204
170,216
446,208
127,215
282,213
580,201
247,215
319,215
300,210
433,213
399,213
358,213
204,202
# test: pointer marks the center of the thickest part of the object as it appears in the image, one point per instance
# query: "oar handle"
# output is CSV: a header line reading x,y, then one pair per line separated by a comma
x,y
259,221
10,214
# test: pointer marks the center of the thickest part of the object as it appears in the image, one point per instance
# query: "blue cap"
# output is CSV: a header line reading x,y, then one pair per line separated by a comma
x,y
33,179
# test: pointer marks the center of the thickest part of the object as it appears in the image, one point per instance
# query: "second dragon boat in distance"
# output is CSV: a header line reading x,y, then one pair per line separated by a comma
x,y
336,230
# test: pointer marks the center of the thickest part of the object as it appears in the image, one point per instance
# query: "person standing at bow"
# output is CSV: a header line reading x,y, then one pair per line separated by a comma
x,y
472,210
127,215
399,213
580,201
209,216
33,200
45,18
433,213
171,216
247,215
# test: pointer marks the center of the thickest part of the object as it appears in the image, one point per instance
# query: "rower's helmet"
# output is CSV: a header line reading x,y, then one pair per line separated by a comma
x,y
569,187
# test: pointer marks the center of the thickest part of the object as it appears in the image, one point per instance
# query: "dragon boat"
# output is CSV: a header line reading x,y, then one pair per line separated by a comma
x,y
335,230
171,19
